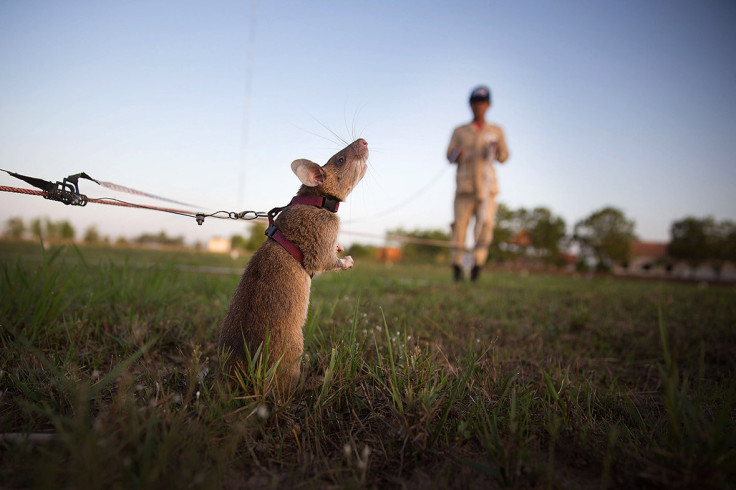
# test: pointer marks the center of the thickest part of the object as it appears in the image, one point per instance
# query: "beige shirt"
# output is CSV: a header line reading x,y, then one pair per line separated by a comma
x,y
474,150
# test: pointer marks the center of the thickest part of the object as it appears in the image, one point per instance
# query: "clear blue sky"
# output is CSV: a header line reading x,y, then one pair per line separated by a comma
x,y
627,103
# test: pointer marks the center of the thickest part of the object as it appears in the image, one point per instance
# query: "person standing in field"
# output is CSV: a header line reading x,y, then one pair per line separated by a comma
x,y
474,147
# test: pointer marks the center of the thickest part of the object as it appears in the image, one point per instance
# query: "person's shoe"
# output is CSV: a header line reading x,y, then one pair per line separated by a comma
x,y
474,273
457,273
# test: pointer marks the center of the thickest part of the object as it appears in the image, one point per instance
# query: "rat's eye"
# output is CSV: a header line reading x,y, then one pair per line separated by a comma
x,y
341,160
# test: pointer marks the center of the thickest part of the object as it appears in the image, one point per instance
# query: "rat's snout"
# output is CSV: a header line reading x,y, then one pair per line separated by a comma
x,y
360,147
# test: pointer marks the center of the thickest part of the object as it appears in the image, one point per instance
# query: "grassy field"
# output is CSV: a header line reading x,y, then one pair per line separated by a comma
x,y
108,379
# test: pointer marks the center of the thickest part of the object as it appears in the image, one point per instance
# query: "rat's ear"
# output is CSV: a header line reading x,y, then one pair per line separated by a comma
x,y
309,173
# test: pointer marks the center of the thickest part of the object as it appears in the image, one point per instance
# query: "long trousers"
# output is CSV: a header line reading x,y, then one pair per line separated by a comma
x,y
484,211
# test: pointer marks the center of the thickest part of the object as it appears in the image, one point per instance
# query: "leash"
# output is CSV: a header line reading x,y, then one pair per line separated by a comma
x,y
68,192
329,203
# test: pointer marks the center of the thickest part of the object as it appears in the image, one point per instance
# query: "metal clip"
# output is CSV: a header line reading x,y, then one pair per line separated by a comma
x,y
67,192
330,204
271,231
200,218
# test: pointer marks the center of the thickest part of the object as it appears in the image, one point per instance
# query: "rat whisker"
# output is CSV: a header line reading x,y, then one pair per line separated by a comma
x,y
341,141
317,135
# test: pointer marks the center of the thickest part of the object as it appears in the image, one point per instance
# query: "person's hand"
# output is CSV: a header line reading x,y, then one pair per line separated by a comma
x,y
456,154
493,151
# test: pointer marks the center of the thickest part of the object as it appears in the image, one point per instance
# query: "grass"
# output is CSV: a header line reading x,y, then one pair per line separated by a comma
x,y
108,378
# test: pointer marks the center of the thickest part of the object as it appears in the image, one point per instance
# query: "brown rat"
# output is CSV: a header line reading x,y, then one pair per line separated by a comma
x,y
273,294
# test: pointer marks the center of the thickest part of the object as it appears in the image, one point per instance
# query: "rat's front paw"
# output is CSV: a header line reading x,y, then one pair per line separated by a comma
x,y
340,249
347,262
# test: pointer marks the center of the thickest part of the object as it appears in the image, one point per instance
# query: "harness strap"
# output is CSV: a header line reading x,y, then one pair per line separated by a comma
x,y
275,233
329,203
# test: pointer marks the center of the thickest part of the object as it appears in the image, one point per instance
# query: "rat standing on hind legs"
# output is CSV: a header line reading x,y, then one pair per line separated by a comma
x,y
272,298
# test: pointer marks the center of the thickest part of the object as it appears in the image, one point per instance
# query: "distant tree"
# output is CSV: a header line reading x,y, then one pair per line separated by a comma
x,y
521,223
723,247
424,251
66,231
605,237
177,241
729,241
237,242
701,240
503,231
91,235
53,229
161,238
15,228
37,228
358,250
46,228
691,240
547,233
256,236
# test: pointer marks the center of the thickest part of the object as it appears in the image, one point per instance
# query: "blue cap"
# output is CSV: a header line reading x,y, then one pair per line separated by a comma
x,y
480,93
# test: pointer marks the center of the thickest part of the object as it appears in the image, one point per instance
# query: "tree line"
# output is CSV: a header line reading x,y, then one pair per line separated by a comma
x,y
599,241
63,232
538,235
703,240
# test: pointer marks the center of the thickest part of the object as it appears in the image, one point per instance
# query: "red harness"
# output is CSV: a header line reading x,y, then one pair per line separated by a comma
x,y
328,203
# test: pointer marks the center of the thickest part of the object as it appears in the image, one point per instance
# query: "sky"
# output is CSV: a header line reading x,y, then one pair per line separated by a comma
x,y
628,104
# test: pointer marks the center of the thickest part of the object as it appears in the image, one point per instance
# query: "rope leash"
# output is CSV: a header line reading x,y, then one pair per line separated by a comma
x,y
82,200
68,192
18,190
